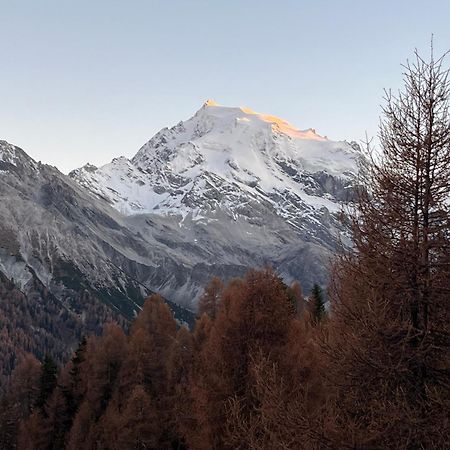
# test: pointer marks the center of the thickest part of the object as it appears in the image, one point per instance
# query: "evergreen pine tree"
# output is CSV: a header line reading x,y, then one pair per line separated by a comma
x,y
71,392
317,304
47,382
68,400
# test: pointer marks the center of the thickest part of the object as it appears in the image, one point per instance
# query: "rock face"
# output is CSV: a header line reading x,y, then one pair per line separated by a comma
x,y
54,234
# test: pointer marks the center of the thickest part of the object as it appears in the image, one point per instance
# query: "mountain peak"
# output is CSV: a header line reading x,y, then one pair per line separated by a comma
x,y
245,114
14,156
221,148
283,126
211,102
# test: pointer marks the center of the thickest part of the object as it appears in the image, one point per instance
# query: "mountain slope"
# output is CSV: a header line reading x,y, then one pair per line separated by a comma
x,y
54,231
50,226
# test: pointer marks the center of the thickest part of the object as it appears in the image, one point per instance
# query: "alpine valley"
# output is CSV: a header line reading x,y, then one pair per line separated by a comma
x,y
223,191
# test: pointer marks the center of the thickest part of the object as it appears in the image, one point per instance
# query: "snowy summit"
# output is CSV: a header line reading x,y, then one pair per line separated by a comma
x,y
188,168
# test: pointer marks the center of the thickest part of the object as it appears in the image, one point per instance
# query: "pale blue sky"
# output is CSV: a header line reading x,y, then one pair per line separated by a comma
x,y
90,80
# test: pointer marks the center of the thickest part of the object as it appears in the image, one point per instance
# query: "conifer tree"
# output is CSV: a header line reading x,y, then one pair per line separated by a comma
x,y
72,391
25,384
66,398
9,423
152,337
18,401
253,318
390,338
98,381
178,369
47,382
318,311
138,424
210,300
79,434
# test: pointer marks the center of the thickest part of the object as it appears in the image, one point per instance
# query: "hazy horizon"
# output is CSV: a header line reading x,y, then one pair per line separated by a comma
x,y
90,81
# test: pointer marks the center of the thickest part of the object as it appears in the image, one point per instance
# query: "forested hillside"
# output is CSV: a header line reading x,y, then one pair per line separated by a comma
x,y
36,323
263,369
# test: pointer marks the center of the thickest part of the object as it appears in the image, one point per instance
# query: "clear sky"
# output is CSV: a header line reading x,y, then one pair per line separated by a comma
x,y
88,80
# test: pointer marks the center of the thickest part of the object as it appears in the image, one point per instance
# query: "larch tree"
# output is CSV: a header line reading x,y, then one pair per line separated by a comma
x,y
210,300
98,378
253,319
18,402
25,381
152,339
295,294
390,346
138,426
178,367
290,395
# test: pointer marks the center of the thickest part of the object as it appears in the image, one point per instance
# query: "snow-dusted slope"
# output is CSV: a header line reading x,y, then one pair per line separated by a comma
x,y
227,158
55,234
12,157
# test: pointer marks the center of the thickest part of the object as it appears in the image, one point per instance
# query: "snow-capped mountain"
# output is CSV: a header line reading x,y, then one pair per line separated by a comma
x,y
223,191
243,163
